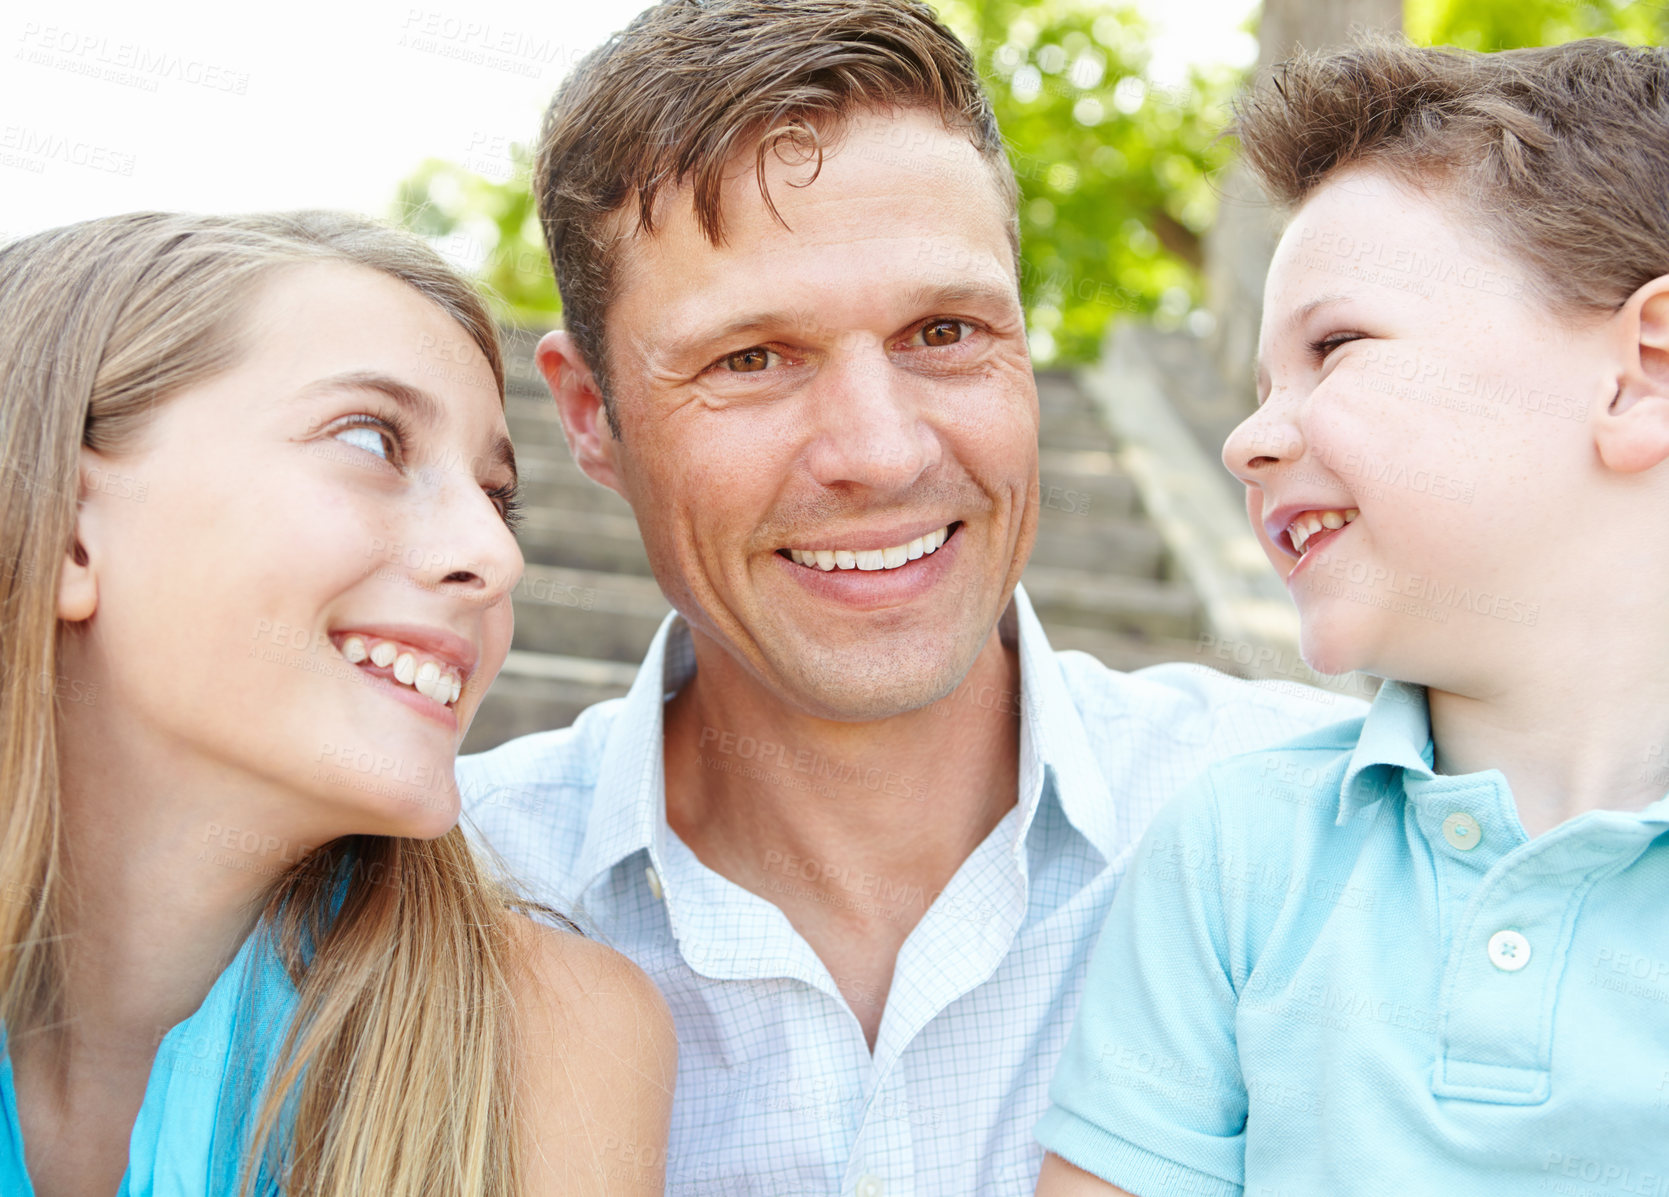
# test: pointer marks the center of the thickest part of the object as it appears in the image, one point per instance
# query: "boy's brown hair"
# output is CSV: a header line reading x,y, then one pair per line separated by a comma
x,y
691,84
1560,155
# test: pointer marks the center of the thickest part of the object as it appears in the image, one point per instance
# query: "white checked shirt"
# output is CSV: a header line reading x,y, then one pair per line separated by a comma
x,y
778,1094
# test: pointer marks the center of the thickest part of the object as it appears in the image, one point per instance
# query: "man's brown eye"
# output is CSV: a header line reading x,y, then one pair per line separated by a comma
x,y
748,361
942,332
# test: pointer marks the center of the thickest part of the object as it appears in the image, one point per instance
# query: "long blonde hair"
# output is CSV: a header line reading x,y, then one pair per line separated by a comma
x,y
396,1075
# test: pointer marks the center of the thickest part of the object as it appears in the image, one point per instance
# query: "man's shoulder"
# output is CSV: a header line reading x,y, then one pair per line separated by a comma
x,y
530,798
1194,704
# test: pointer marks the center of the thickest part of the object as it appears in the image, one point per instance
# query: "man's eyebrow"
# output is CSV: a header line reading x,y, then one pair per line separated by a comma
x,y
1304,312
419,403
675,348
950,295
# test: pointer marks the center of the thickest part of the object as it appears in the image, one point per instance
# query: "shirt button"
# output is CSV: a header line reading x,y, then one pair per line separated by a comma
x,y
871,1186
1462,831
1509,951
654,880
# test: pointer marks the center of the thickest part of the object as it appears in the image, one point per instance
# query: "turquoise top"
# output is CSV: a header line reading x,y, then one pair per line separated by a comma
x,y
204,1092
1331,970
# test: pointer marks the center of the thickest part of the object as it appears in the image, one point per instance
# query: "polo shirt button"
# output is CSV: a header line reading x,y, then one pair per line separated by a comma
x,y
1509,951
1462,831
871,1186
654,880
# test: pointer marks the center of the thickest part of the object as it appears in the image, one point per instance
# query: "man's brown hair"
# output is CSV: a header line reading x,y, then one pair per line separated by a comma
x,y
1559,155
691,84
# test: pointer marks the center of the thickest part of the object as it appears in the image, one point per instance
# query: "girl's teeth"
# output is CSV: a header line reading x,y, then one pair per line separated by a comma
x,y
431,679
1332,519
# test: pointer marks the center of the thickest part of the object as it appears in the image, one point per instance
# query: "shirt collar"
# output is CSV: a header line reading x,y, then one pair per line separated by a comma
x,y
1395,746
1395,738
628,810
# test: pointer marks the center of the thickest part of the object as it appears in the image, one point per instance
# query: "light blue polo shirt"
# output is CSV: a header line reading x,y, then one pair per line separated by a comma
x,y
1331,971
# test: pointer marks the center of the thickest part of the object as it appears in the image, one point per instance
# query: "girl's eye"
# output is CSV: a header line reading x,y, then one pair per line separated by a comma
x,y
372,434
939,333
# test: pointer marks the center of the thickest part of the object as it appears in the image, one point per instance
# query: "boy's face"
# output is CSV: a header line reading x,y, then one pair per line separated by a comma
x,y
1421,447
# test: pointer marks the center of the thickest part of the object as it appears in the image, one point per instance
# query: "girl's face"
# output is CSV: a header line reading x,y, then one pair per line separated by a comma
x,y
302,563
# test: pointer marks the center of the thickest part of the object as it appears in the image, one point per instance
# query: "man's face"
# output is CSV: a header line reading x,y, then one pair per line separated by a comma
x,y
854,382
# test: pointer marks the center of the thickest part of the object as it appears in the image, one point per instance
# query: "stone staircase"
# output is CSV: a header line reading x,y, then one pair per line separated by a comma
x,y
1100,576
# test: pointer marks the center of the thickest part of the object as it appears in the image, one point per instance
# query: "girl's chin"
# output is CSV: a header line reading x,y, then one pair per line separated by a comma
x,y
387,798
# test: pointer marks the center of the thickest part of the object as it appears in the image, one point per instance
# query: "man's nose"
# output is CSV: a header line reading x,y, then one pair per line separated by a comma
x,y
873,424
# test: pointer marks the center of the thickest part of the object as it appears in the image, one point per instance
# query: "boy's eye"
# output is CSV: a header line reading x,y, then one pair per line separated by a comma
x,y
1322,346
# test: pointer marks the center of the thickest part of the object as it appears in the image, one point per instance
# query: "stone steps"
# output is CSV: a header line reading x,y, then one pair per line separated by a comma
x,y
587,606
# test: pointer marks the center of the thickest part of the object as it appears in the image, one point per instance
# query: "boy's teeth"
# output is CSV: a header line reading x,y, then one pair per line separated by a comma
x,y
432,679
871,559
1311,522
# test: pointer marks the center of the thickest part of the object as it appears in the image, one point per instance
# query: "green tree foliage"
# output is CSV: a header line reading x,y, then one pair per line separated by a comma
x,y
489,225
1511,24
1114,171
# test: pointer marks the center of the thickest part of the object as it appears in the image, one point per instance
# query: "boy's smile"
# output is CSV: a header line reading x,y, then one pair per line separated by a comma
x,y
1422,434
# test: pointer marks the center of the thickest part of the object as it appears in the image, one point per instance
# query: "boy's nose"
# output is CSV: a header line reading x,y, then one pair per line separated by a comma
x,y
1266,438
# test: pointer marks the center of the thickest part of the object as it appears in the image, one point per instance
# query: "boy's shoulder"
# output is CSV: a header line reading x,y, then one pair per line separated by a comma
x,y
1283,799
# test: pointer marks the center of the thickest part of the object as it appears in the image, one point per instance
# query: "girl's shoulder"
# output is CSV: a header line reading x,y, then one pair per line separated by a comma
x,y
597,1058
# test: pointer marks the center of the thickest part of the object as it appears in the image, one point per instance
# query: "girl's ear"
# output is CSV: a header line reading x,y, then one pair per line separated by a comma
x,y
1632,434
78,590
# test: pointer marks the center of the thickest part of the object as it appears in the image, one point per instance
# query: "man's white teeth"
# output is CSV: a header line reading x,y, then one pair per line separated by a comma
x,y
430,679
827,559
1311,522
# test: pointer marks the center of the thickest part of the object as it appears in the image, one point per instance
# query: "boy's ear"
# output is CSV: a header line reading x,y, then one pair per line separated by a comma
x,y
1633,433
78,585
579,402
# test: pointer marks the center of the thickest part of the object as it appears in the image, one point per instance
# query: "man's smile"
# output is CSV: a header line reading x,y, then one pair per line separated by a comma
x,y
891,557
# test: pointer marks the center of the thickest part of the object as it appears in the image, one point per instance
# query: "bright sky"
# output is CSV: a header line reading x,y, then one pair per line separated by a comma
x,y
111,107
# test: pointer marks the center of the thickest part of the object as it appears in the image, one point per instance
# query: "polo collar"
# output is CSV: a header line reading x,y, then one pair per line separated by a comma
x,y
1395,748
628,812
1395,739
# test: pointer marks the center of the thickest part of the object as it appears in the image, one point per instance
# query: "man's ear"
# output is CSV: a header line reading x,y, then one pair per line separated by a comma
x,y
1633,433
579,402
78,586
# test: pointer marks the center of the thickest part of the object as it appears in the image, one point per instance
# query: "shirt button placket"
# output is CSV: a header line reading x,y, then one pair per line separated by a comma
x,y
871,1186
